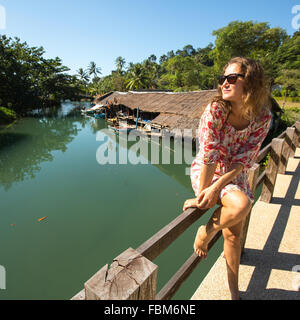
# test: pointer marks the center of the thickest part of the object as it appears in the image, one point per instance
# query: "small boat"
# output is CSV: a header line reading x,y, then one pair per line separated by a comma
x,y
94,109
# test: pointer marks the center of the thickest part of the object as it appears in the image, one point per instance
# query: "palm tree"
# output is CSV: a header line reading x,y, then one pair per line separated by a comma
x,y
120,63
163,58
137,77
152,58
93,69
83,77
152,70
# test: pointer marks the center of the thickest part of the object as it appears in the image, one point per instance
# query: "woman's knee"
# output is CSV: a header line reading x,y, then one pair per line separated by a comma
x,y
238,203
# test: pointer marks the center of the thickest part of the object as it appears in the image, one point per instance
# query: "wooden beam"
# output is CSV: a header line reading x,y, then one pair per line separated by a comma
x,y
168,291
163,238
297,126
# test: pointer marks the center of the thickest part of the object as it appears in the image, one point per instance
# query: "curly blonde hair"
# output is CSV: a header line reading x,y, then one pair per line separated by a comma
x,y
256,93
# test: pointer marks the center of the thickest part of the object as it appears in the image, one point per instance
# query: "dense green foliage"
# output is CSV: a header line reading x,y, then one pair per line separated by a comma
x,y
193,69
28,80
7,115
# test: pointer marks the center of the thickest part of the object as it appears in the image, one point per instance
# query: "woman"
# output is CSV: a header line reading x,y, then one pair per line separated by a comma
x,y
231,131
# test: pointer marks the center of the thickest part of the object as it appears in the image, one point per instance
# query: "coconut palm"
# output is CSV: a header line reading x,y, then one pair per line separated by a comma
x,y
137,77
120,63
83,76
93,69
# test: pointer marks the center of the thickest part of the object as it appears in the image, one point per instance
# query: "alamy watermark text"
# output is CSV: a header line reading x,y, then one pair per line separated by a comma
x,y
296,18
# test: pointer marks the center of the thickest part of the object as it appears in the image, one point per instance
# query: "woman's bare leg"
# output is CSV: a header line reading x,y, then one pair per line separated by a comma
x,y
232,252
229,217
234,208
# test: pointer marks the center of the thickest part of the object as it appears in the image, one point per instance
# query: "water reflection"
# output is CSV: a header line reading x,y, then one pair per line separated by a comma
x,y
171,157
29,143
24,146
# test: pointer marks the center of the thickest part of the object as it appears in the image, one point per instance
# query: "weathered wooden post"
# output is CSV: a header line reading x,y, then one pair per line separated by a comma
x,y
297,125
253,176
288,150
271,170
293,136
130,277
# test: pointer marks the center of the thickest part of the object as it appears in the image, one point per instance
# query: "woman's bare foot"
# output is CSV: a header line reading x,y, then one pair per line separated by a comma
x,y
201,241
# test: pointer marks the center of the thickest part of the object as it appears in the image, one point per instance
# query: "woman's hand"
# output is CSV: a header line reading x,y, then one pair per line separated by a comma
x,y
190,203
208,197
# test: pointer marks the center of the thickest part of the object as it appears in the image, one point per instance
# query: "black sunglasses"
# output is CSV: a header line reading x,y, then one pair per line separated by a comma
x,y
231,78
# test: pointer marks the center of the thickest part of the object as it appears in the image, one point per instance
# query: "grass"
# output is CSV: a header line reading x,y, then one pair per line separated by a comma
x,y
288,104
291,112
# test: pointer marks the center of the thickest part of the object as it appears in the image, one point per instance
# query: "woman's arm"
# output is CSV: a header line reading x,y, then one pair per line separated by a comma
x,y
207,174
234,170
211,123
208,197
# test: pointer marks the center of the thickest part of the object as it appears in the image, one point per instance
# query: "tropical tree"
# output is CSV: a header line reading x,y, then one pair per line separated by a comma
x,y
152,71
249,39
84,79
152,58
288,56
93,69
204,55
163,58
188,50
29,80
137,77
120,63
290,80
83,75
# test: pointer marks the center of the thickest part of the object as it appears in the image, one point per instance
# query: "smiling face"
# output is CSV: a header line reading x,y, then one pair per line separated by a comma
x,y
233,92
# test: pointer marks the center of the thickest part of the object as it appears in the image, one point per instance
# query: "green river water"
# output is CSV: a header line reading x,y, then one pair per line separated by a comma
x,y
48,168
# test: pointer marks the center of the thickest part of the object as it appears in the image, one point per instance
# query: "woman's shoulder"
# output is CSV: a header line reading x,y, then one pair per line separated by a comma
x,y
217,109
214,115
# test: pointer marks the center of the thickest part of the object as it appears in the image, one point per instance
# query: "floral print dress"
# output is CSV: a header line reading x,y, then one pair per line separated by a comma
x,y
220,142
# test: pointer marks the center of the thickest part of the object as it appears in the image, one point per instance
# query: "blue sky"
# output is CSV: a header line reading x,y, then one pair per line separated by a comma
x,y
96,30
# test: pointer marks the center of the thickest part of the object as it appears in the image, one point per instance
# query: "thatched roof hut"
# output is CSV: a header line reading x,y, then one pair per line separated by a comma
x,y
173,110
